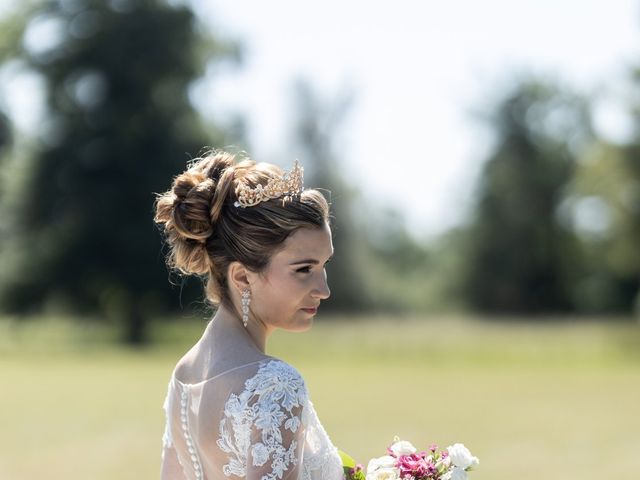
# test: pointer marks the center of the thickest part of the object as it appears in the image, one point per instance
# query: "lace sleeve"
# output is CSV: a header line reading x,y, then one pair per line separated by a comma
x,y
262,429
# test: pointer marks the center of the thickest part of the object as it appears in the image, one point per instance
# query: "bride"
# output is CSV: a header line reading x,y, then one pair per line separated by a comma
x,y
261,242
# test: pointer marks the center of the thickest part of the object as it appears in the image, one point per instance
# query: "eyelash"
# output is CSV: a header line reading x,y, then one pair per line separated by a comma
x,y
307,269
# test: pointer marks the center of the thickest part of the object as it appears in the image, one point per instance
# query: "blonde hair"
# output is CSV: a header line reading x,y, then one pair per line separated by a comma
x,y
206,232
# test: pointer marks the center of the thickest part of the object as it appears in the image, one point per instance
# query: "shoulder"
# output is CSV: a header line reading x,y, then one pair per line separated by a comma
x,y
279,367
276,378
184,369
273,386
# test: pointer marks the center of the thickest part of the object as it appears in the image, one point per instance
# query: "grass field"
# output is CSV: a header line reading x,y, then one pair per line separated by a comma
x,y
532,401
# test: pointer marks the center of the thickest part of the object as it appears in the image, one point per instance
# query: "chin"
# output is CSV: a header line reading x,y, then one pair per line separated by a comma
x,y
303,326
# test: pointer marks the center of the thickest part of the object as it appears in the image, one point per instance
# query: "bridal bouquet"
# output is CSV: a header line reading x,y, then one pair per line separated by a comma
x,y
404,462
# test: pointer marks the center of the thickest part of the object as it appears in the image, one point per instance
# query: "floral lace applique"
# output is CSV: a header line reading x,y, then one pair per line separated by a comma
x,y
267,404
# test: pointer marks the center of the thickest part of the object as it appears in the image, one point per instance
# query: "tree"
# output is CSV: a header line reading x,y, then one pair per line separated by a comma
x,y
520,257
603,208
120,125
5,132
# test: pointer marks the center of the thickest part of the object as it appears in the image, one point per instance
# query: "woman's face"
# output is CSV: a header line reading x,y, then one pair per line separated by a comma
x,y
287,294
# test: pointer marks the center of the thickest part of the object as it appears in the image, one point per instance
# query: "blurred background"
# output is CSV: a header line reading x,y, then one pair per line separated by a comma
x,y
483,164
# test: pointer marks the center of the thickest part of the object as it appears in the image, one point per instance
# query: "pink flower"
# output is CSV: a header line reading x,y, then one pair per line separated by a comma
x,y
412,465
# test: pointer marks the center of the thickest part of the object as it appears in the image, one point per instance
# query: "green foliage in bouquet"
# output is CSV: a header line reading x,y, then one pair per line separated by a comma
x,y
352,471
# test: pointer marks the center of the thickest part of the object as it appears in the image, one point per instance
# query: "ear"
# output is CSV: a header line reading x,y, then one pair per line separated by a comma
x,y
238,276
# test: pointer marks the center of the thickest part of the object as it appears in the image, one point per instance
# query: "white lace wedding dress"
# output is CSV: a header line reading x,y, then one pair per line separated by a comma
x,y
265,429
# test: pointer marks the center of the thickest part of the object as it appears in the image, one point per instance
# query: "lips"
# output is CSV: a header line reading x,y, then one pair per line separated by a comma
x,y
311,310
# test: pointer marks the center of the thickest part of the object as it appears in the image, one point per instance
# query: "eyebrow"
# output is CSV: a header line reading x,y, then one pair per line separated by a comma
x,y
312,261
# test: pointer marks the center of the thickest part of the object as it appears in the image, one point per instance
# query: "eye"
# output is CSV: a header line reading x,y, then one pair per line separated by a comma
x,y
306,269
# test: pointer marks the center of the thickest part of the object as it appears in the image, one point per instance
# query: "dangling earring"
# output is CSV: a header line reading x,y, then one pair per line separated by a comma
x,y
246,300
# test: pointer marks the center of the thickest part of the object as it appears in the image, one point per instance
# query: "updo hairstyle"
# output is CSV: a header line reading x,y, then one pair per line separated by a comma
x,y
205,232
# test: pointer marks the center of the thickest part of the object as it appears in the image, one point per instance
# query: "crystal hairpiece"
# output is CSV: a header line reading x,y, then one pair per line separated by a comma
x,y
288,184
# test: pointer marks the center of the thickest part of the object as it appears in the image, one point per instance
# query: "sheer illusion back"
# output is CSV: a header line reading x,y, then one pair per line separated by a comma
x,y
254,421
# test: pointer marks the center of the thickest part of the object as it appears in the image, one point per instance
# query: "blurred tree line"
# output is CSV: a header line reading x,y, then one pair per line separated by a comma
x,y
77,208
521,258
555,227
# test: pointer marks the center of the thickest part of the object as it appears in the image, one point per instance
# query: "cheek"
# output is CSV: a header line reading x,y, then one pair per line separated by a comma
x,y
280,292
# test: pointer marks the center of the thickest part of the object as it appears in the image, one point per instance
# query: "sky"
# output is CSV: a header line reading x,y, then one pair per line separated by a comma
x,y
419,72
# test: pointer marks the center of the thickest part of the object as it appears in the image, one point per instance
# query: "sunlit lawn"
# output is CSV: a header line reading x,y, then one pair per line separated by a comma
x,y
531,401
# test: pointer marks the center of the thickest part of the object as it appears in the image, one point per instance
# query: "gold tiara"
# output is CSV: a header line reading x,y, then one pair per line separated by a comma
x,y
290,183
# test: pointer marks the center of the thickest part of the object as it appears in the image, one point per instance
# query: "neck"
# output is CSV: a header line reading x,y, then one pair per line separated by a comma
x,y
255,334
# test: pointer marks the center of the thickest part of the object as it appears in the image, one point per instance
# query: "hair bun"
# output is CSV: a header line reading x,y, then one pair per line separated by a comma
x,y
192,194
188,211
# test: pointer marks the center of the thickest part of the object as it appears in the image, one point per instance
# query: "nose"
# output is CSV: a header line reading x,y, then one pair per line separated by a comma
x,y
321,290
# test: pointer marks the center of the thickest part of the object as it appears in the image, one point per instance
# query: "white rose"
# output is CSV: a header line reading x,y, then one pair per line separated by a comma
x,y
384,473
386,461
402,447
458,474
461,456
